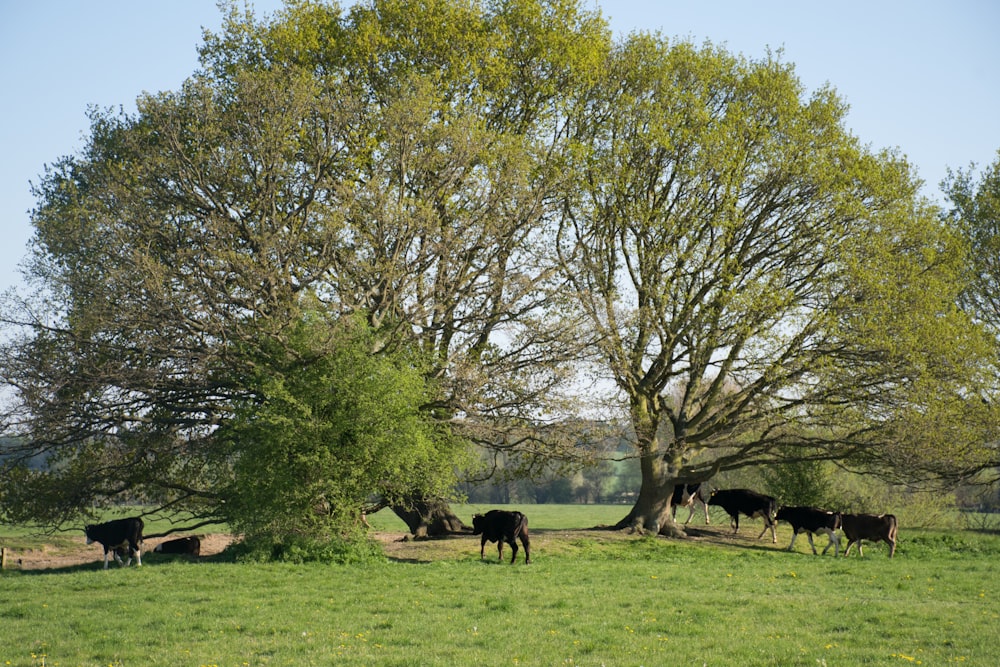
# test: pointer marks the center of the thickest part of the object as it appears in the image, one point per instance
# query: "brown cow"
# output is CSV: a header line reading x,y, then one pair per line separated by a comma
x,y
881,527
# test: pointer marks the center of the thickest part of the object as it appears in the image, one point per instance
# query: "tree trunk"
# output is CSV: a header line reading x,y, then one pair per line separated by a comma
x,y
651,512
430,518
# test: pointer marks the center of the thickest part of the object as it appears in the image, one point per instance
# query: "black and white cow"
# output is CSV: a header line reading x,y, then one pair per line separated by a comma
x,y
119,533
750,503
810,521
502,526
688,495
190,546
880,527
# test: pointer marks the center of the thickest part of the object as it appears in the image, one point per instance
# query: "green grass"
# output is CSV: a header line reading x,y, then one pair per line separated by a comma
x,y
589,598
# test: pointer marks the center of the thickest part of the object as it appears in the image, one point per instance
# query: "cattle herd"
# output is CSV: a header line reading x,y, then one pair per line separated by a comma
x,y
808,520
123,537
502,526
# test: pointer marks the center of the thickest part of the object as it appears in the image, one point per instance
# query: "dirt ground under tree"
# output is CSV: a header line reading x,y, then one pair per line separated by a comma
x,y
75,552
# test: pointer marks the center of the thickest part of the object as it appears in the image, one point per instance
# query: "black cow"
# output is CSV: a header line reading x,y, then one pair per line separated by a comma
x,y
120,533
881,527
810,521
190,546
687,495
502,526
751,503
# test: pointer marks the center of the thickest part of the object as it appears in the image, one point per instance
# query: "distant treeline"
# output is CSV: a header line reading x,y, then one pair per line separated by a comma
x,y
617,482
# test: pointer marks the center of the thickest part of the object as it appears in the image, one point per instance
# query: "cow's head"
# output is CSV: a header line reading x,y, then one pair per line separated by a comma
x,y
86,531
477,524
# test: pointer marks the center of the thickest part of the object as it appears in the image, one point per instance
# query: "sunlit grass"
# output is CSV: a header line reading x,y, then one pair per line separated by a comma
x,y
589,598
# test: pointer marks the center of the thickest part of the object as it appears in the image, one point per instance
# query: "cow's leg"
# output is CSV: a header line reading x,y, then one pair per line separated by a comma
x,y
106,557
892,547
500,547
513,549
138,555
795,534
811,545
690,514
708,521
769,524
851,543
482,548
835,541
124,553
734,522
527,547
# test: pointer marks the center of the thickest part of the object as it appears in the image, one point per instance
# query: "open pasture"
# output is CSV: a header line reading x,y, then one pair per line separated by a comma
x,y
588,598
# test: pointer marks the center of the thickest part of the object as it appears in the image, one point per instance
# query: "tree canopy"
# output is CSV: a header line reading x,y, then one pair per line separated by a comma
x,y
762,287
353,243
975,214
389,164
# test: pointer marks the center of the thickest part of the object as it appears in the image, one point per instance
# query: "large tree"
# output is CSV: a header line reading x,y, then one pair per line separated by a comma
x,y
975,214
396,163
762,288
452,203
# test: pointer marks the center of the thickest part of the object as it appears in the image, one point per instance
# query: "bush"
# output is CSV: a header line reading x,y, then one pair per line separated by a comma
x,y
913,507
331,426
802,483
339,551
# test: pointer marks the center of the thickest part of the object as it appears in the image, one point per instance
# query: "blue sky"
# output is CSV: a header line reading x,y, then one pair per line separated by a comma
x,y
920,76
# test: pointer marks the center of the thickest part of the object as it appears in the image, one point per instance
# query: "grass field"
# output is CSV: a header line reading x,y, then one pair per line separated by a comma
x,y
589,598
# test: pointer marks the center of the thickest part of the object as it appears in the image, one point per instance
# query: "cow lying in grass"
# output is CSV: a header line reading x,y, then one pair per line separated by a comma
x,y
190,546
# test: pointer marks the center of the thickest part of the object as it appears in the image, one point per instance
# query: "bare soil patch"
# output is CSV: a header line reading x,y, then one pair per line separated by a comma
x,y
398,546
78,552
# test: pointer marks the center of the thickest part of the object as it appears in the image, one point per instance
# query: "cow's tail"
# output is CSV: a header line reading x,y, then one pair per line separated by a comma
x,y
893,526
522,531
522,526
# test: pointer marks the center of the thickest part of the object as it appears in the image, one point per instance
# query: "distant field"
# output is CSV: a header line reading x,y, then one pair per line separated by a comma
x,y
539,516
589,598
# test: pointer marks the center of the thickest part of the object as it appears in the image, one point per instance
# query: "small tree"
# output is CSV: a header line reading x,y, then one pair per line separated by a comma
x,y
799,483
329,429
